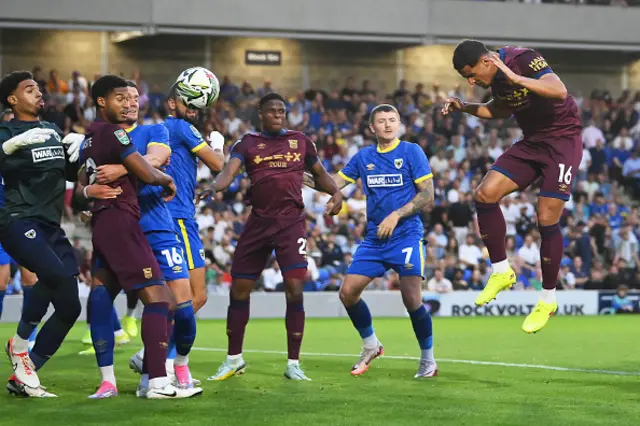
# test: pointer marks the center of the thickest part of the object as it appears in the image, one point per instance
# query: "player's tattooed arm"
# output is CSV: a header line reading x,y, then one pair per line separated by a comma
x,y
423,198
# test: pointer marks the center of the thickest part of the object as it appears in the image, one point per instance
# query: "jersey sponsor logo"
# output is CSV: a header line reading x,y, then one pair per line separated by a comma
x,y
195,131
30,234
122,136
538,64
147,273
296,156
293,144
398,162
47,153
371,166
382,181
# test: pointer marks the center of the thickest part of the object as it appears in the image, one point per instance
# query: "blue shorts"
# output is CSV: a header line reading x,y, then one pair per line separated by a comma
x,y
169,254
406,256
5,259
189,240
40,247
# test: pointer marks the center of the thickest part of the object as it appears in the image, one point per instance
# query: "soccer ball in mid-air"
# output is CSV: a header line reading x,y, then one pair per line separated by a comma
x,y
198,87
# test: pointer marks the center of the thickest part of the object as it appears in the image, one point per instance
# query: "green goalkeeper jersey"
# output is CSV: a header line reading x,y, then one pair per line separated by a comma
x,y
34,176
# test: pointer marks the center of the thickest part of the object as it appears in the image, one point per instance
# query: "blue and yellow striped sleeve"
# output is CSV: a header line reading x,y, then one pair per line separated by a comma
x,y
350,172
159,135
420,168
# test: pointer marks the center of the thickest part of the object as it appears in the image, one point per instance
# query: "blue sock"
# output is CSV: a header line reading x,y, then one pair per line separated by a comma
x,y
102,326
115,320
184,330
2,293
171,349
422,327
361,318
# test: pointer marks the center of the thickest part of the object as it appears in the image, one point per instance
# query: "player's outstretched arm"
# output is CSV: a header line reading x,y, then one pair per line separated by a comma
x,y
137,165
226,176
157,156
489,110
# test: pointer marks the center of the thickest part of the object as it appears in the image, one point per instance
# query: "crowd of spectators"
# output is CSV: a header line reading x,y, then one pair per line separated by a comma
x,y
600,225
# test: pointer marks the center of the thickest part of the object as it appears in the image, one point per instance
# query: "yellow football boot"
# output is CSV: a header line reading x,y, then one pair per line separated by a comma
x,y
539,317
496,284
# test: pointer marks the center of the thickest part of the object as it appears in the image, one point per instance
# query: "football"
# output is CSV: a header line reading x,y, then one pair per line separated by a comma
x,y
198,87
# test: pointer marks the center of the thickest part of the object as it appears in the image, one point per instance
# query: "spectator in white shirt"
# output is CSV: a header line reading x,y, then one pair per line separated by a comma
x,y
272,277
232,123
469,253
623,141
529,254
511,213
205,219
439,164
439,284
591,134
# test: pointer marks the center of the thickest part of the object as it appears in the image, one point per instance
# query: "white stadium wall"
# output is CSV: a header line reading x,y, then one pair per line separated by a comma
x,y
381,303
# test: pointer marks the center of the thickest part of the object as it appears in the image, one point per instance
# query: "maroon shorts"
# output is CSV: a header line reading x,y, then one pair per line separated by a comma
x,y
120,247
261,236
555,161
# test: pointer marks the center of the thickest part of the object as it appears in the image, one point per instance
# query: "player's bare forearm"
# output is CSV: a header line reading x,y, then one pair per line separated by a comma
x,y
547,86
489,110
423,198
137,165
214,160
322,180
226,176
83,180
157,155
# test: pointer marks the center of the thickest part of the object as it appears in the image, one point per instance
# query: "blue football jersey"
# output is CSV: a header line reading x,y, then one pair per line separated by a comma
x,y
185,141
154,214
388,179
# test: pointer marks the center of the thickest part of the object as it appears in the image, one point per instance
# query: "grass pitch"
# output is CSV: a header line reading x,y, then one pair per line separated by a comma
x,y
577,371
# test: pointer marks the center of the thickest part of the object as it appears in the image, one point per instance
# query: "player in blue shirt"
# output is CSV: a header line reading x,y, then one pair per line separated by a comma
x,y
188,146
398,184
157,224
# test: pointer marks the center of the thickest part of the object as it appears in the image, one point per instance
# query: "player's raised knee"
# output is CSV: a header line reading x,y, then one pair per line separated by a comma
x,y
487,195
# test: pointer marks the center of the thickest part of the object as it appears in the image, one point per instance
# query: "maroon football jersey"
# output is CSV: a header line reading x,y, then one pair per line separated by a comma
x,y
107,143
275,165
539,118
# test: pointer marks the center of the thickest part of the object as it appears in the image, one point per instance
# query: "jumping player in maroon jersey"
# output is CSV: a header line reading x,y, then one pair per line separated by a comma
x,y
123,257
275,161
523,85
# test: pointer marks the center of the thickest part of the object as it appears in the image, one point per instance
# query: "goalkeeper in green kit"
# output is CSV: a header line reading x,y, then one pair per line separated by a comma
x,y
35,162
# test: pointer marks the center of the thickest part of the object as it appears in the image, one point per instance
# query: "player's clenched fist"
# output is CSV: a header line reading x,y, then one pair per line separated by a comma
x,y
30,137
170,191
451,105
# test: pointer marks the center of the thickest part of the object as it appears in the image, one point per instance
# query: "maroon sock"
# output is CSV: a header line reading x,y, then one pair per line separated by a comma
x,y
294,321
154,338
493,230
551,254
237,319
